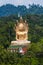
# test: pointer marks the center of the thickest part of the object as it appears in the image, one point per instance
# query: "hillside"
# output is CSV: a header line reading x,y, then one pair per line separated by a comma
x,y
9,9
34,55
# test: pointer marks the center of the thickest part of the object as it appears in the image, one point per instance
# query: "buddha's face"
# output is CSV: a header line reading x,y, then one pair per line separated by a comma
x,y
21,27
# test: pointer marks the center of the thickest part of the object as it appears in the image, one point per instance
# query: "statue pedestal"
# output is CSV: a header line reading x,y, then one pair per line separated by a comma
x,y
20,42
20,46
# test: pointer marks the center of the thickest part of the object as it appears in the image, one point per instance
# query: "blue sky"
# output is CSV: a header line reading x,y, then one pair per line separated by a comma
x,y
20,2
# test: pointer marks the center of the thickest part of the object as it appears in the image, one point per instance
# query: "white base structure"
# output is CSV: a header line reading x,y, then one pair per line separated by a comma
x,y
20,42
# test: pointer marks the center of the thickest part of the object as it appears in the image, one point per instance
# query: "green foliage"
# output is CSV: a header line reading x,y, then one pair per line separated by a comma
x,y
35,35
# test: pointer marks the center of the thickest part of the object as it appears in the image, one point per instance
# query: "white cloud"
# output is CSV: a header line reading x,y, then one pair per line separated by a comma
x,y
21,2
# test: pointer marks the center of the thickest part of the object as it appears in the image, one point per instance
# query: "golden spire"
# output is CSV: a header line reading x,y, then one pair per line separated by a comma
x,y
21,19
